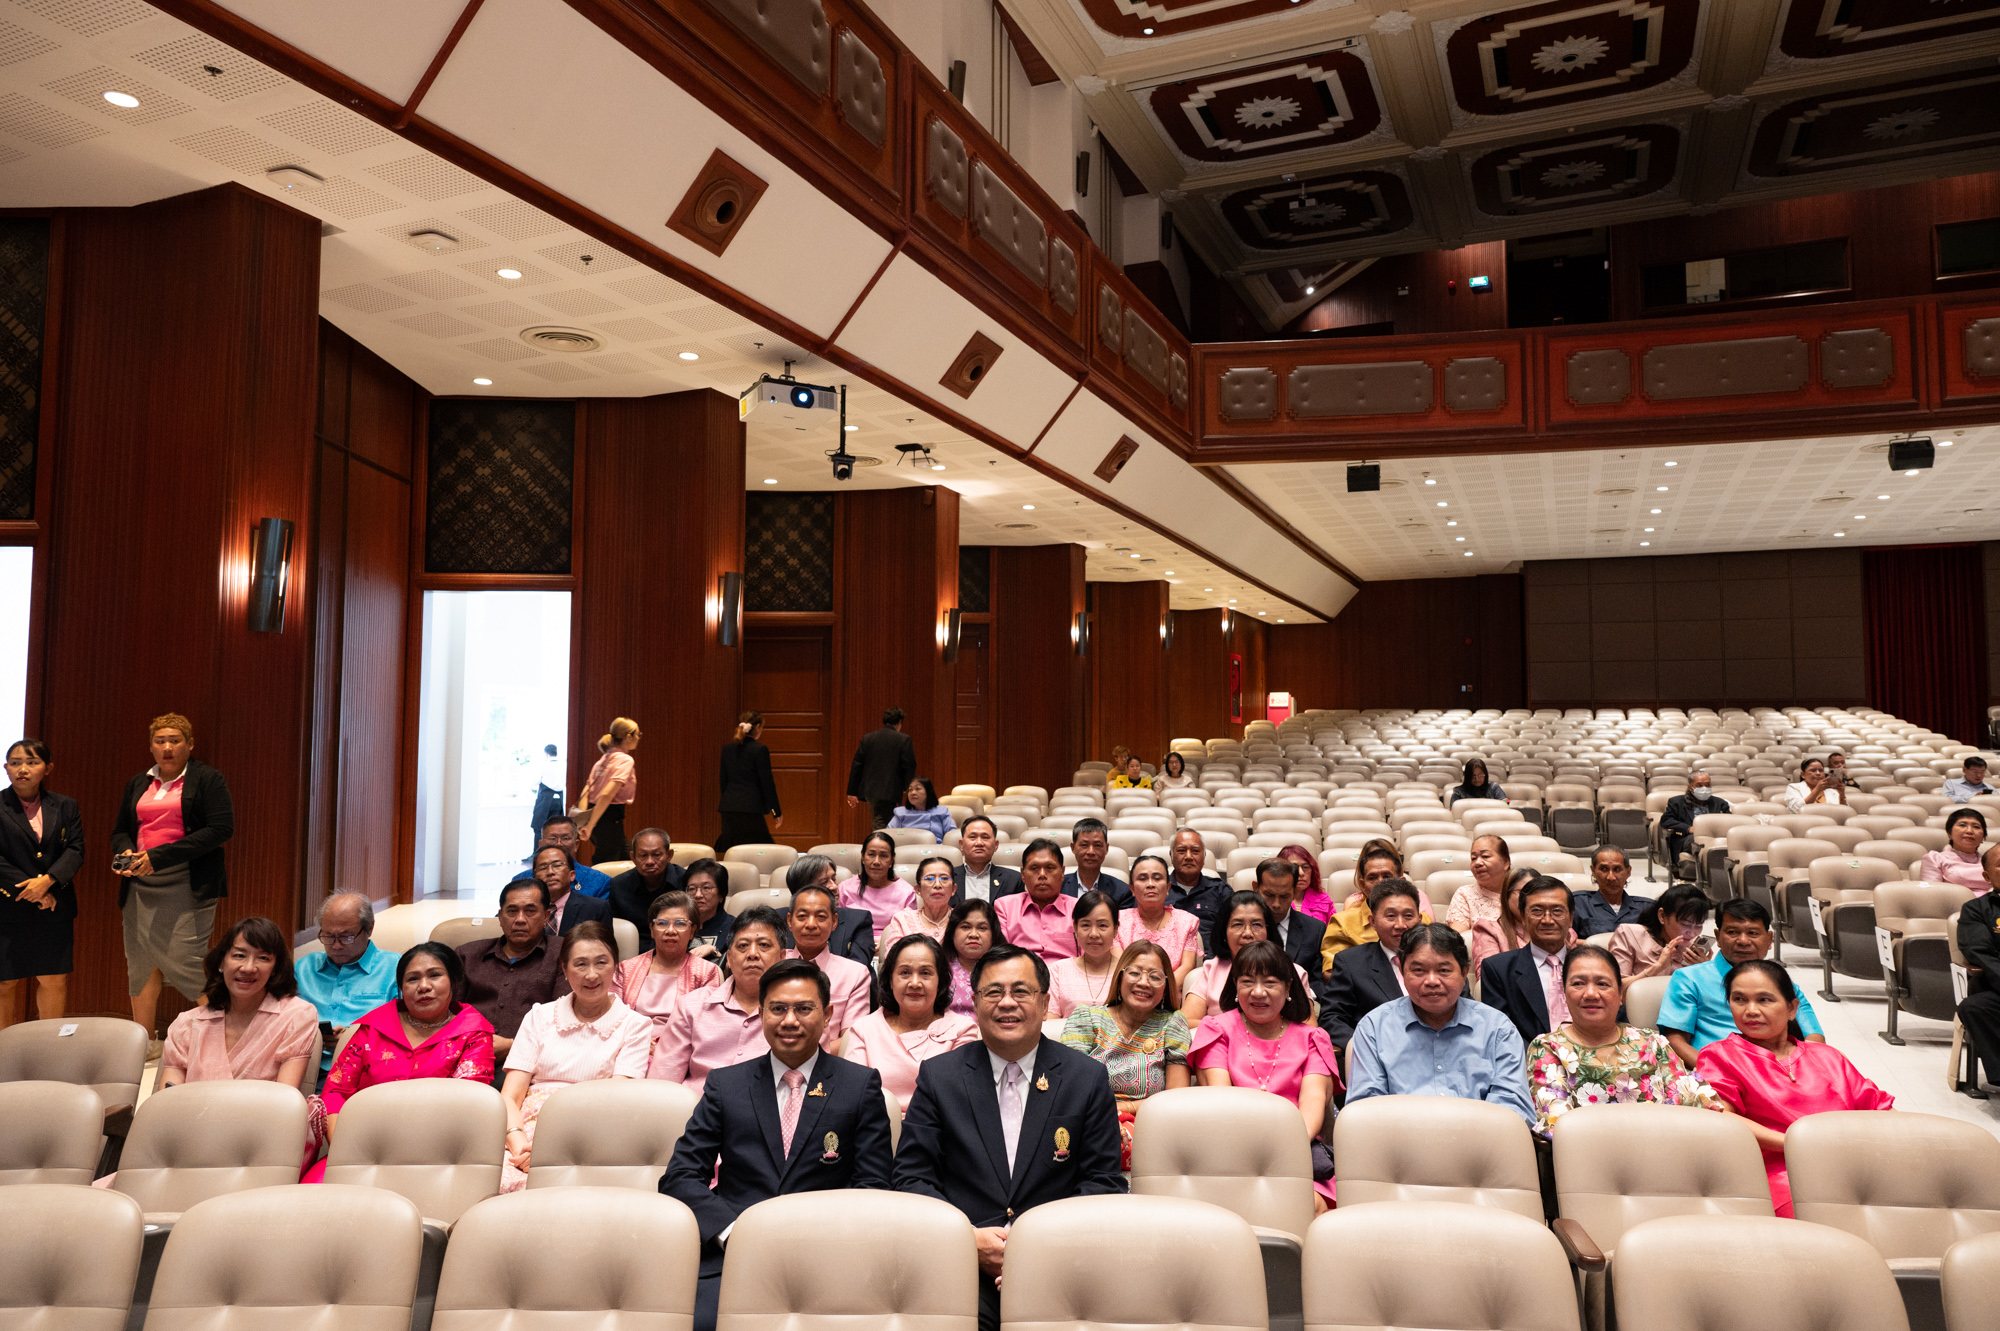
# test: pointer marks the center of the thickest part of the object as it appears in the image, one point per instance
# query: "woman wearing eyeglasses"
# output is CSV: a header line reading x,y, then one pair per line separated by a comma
x,y
653,982
1138,1034
931,911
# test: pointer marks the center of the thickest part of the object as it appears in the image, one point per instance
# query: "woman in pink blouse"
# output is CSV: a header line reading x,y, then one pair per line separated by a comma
x,y
1152,920
427,1032
1313,899
1771,1075
1084,980
877,889
1264,1038
915,1021
254,1026
611,785
586,1035
1957,863
1243,919
929,914
653,982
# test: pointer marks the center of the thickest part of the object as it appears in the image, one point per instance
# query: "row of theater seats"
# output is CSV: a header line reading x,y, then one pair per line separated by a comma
x,y
1659,1214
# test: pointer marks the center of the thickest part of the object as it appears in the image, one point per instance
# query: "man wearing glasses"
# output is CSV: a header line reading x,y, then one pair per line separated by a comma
x,y
352,977
1527,983
1010,1122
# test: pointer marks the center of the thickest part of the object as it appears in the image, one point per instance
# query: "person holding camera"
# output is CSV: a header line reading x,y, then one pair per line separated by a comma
x,y
167,846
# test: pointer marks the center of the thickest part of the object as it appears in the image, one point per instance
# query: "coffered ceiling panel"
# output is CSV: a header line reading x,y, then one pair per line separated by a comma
x,y
1119,24
1575,170
1322,100
1319,210
1565,54
1831,29
1862,128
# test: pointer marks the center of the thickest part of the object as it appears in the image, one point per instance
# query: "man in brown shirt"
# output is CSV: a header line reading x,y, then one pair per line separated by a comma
x,y
506,976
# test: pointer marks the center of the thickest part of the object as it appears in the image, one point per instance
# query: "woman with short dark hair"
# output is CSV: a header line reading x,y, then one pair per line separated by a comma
x,y
252,1025
1173,774
915,1021
1957,863
920,809
969,934
653,982
41,848
707,884
1667,937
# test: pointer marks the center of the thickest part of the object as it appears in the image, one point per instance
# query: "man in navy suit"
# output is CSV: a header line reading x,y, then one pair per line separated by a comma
x,y
1011,1122
977,842
796,1120
1526,983
556,871
1364,977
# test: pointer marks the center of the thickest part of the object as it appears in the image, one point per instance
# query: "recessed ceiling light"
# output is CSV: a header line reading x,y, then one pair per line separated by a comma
x,y
690,355
1232,600
850,428
124,99
483,383
1442,504
1661,488
1027,508
1309,292
1881,496
1840,533
1911,472
511,274
1656,510
1452,522
770,480
1671,464
1260,612
1134,554
1458,538
937,466
1645,542
1649,529
1944,443
1429,481
1280,621
1146,31
1208,589
1861,517
1170,573
1468,554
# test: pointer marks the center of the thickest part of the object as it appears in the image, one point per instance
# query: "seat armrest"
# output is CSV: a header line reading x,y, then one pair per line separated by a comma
x,y
1578,1246
1276,1236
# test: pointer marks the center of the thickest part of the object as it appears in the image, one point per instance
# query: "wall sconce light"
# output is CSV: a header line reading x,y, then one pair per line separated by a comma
x,y
1167,626
952,628
270,571
729,627
1079,633
1228,625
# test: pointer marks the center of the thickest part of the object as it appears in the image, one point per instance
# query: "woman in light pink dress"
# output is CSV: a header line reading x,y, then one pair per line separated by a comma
x,y
1958,863
653,982
931,911
586,1035
1491,865
1084,980
1152,920
1771,1075
253,1027
915,1021
612,784
877,889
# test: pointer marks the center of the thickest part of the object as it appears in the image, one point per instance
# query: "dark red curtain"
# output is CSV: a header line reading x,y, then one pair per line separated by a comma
x,y
1926,631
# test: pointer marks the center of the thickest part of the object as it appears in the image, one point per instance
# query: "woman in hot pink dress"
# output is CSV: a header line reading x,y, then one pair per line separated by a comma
x,y
1152,920
1771,1075
877,889
1313,899
1264,1038
915,1021
653,982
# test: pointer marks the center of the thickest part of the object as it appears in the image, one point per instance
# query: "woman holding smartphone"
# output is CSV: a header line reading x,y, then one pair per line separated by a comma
x,y
1667,937
41,848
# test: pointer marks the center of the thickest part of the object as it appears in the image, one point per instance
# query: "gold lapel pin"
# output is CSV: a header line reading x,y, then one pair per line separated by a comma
x,y
819,1089
1042,1082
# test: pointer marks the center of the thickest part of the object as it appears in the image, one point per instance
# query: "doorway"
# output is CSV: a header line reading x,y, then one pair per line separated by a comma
x,y
972,690
788,676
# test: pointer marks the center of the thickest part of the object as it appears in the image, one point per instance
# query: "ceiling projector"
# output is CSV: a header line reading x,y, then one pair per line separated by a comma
x,y
786,396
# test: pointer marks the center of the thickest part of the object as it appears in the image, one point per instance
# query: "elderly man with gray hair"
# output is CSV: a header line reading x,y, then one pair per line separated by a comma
x,y
352,976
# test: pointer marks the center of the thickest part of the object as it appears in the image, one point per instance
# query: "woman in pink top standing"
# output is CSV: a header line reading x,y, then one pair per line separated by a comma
x,y
609,788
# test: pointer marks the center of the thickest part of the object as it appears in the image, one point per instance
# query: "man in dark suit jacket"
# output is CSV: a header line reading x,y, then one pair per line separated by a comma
x,y
977,841
1363,977
839,1126
1519,982
1064,1119
557,872
1302,936
853,934
885,762
653,871
1678,817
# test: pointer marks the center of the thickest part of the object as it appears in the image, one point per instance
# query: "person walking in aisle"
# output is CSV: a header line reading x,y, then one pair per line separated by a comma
x,y
748,792
885,762
611,785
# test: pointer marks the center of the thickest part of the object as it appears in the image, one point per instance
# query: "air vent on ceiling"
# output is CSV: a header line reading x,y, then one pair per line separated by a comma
x,y
1018,526
866,460
1393,485
1835,499
1609,531
1615,490
570,341
429,238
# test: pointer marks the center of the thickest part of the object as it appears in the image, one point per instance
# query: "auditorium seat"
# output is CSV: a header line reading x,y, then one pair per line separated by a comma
x,y
828,1261
560,1258
846,855
207,1138
909,857
609,1134
1617,1166
330,1257
437,1141
50,1132
70,1258
107,1054
1371,1269
1749,1273
609,868
777,898
1844,889
687,852
1397,1148
456,933
1081,1264
1643,999
1791,861
902,836
1911,921
766,858
1971,1281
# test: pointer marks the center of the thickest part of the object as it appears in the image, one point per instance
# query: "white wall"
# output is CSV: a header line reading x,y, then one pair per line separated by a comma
x,y
1140,242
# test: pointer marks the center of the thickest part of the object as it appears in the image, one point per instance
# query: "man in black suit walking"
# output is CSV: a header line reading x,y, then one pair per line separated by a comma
x,y
1364,977
1526,983
885,762
796,1120
1016,1120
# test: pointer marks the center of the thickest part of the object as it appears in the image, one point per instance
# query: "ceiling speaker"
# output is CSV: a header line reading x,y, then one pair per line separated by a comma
x,y
718,203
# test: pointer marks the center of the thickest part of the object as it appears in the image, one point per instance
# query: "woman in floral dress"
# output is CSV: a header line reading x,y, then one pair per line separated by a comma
x,y
1594,1059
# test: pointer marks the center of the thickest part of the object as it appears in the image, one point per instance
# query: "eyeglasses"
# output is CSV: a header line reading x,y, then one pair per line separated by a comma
x,y
673,926
936,880
1144,977
1547,912
339,940
994,993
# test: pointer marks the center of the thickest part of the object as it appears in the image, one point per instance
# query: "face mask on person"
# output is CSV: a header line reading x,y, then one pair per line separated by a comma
x,y
1699,793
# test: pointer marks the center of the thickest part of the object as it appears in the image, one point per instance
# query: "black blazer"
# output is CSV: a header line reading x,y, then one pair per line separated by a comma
x,y
1361,980
1303,937
58,852
953,1147
885,762
579,908
1508,981
631,898
1005,883
207,820
737,1122
746,779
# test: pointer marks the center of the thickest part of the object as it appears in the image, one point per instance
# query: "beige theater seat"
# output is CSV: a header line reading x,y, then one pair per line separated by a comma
x,y
328,1257
609,1134
107,1054
1910,1184
1972,1284
1643,999
50,1132
1749,1273
687,852
1618,1166
437,1141
456,933
876,1259
1423,1148
777,898
561,1258
1072,1265
70,1258
1433,1264
204,1139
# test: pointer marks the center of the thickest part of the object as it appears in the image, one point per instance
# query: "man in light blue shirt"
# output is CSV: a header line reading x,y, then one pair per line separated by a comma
x,y
353,976
1971,781
1695,1012
1435,1041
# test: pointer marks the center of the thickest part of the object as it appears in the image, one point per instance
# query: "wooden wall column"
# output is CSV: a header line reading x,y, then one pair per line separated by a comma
x,y
661,522
185,404
1040,684
1128,670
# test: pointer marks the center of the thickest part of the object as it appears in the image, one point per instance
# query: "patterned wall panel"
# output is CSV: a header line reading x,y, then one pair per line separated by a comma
x,y
24,289
501,477
788,552
975,579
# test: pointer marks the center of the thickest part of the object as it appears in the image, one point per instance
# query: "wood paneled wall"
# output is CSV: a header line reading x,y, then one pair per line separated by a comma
x,y
1198,673
185,412
1040,684
1421,642
1414,292
661,521
1128,669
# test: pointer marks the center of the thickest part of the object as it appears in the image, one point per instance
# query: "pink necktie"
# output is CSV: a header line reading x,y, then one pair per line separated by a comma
x,y
1552,989
795,1083
1010,1109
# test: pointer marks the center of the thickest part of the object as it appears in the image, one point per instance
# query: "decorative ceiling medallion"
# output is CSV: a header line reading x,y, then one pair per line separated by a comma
x,y
1868,126
1823,29
1357,205
1164,18
1575,171
1291,105
1566,52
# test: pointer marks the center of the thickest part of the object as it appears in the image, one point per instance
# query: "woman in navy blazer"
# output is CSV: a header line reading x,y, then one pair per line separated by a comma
x,y
37,903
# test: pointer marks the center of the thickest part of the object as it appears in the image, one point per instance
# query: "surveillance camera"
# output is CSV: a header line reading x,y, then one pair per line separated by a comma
x,y
843,465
